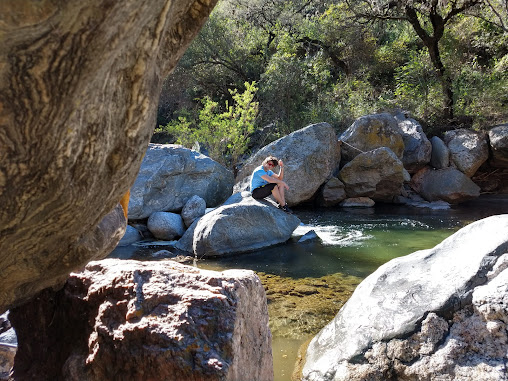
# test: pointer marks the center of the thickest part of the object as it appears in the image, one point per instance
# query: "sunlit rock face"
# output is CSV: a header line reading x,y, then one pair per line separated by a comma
x,y
468,149
131,320
310,157
370,132
440,312
378,174
79,82
498,138
171,175
242,227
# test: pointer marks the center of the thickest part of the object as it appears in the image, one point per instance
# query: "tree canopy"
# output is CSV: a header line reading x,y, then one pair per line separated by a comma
x,y
444,61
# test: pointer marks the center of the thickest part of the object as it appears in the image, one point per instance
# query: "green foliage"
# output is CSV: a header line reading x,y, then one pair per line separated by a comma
x,y
224,133
316,61
417,87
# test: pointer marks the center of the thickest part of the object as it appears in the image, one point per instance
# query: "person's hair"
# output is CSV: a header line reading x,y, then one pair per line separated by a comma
x,y
271,159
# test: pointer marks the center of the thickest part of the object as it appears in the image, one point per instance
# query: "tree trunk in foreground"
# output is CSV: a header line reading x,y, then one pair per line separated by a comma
x,y
79,85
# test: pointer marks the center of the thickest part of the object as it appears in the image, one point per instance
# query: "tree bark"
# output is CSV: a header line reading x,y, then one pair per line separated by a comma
x,y
431,42
79,83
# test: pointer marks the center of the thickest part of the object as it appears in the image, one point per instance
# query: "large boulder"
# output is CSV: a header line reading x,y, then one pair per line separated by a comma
x,y
170,175
241,227
498,137
370,132
310,157
131,320
468,149
417,148
378,174
79,86
449,184
414,317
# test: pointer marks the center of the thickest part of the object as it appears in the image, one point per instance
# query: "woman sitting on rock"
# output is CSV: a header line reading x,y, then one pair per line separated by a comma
x,y
264,182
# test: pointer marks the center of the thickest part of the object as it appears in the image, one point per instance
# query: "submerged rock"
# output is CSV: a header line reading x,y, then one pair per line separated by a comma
x,y
414,317
300,307
134,320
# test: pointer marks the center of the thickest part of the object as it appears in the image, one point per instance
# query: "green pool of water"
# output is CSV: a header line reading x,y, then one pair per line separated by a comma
x,y
353,243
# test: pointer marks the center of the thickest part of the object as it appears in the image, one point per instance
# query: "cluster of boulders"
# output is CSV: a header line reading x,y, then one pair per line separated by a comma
x,y
411,320
380,158
388,158
174,189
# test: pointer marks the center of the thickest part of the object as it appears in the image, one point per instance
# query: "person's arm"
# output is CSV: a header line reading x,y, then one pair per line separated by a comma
x,y
280,176
274,179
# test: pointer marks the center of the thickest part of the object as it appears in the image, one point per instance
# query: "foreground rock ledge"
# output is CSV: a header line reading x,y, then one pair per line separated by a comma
x,y
131,320
434,314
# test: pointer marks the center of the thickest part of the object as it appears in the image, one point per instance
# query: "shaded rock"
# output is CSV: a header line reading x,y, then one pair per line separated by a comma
x,y
377,174
131,235
357,202
417,148
331,193
498,137
147,321
186,242
449,184
421,203
370,132
165,226
403,320
79,90
194,208
242,227
468,149
310,157
170,175
440,157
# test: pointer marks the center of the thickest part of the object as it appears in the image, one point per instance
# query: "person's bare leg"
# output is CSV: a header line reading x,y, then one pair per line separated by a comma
x,y
281,192
278,194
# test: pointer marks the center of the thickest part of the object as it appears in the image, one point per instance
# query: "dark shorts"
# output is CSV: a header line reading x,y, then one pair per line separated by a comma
x,y
264,191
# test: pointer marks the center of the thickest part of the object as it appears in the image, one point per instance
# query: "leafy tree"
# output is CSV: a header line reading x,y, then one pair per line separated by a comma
x,y
225,133
429,18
